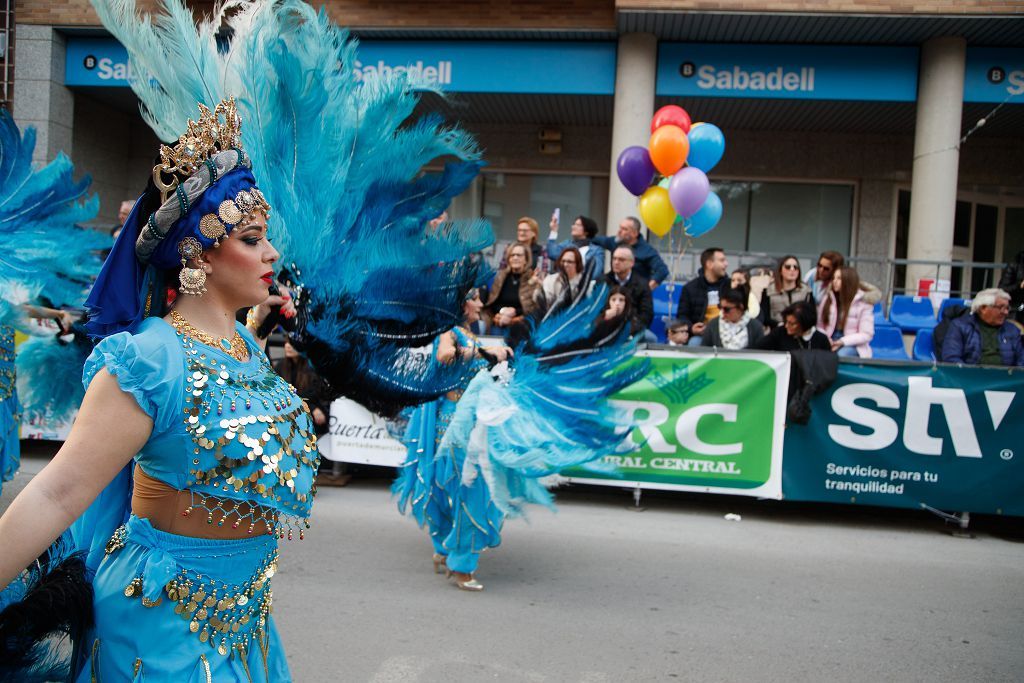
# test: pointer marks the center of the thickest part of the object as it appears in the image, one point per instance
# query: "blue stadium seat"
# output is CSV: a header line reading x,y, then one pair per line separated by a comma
x,y
880,319
666,297
912,313
887,344
657,326
951,301
924,347
666,303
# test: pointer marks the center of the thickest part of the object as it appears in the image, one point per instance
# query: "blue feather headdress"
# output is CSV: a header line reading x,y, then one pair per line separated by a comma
x,y
45,256
343,164
210,191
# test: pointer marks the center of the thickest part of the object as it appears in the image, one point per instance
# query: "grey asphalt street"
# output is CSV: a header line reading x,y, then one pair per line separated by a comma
x,y
597,592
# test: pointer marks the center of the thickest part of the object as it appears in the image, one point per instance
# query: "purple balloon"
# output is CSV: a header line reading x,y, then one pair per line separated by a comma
x,y
635,169
688,190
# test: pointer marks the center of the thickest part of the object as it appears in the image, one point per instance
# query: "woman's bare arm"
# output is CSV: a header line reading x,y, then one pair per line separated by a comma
x,y
63,318
109,430
446,348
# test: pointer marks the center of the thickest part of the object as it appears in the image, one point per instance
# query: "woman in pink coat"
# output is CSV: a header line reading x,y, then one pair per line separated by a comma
x,y
845,317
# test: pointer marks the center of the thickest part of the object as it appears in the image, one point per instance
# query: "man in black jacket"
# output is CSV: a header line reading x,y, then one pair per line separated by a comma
x,y
698,302
1012,282
636,290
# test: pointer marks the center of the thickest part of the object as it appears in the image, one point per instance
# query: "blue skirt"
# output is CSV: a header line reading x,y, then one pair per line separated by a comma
x,y
462,520
181,609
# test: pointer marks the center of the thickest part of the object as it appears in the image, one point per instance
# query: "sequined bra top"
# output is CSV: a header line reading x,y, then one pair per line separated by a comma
x,y
228,431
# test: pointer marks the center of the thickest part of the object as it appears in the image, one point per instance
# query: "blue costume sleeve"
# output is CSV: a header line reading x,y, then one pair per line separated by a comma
x,y
605,242
147,367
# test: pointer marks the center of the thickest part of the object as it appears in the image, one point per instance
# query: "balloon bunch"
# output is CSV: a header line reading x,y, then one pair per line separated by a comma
x,y
669,175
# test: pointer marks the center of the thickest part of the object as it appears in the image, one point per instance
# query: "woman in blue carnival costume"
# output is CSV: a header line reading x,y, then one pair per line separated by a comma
x,y
208,457
46,257
431,487
474,463
223,451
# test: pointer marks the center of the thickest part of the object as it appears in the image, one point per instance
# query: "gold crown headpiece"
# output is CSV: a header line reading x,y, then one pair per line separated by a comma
x,y
215,131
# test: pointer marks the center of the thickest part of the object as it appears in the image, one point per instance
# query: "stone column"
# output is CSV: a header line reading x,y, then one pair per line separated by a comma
x,y
40,97
467,205
635,74
936,156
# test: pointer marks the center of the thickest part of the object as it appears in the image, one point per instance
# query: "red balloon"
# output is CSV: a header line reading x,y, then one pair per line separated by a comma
x,y
671,115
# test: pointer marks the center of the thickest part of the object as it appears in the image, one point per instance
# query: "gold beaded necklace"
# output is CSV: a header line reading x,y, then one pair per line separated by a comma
x,y
235,347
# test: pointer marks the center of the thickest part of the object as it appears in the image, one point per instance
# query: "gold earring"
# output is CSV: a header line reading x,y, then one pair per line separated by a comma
x,y
193,280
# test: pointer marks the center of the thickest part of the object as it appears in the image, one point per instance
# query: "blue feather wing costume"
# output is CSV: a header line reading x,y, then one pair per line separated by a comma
x,y
45,256
50,375
343,165
551,409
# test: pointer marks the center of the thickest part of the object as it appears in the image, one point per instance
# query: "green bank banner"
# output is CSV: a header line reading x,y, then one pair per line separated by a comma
x,y
906,435
706,422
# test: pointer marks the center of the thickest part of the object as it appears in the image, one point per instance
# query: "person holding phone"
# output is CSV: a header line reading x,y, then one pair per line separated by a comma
x,y
582,233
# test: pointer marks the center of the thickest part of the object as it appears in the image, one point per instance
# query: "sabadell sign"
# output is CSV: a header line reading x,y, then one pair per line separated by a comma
x,y
807,72
537,67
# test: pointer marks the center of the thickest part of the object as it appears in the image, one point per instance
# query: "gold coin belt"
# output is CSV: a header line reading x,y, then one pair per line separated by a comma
x,y
235,347
227,616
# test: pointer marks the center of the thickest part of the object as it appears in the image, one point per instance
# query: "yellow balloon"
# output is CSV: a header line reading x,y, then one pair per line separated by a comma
x,y
656,210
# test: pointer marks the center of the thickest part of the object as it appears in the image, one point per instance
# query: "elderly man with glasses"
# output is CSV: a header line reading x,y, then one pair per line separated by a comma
x,y
985,337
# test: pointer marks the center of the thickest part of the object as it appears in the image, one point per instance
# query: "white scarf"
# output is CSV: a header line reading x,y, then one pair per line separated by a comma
x,y
734,335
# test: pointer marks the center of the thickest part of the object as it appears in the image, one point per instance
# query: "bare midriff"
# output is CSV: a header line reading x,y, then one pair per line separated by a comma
x,y
165,507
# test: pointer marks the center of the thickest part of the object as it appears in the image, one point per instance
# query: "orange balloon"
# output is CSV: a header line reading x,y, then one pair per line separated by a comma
x,y
668,149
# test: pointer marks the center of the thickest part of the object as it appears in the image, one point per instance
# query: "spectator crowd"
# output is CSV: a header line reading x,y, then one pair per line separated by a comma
x,y
772,308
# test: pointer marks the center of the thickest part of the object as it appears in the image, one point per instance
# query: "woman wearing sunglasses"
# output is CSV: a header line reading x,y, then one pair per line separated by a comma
x,y
734,329
787,289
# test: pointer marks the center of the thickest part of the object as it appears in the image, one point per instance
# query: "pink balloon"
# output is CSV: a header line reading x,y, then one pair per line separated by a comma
x,y
688,190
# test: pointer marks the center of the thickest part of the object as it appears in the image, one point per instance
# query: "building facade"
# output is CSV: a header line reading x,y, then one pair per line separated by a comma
x,y
851,126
